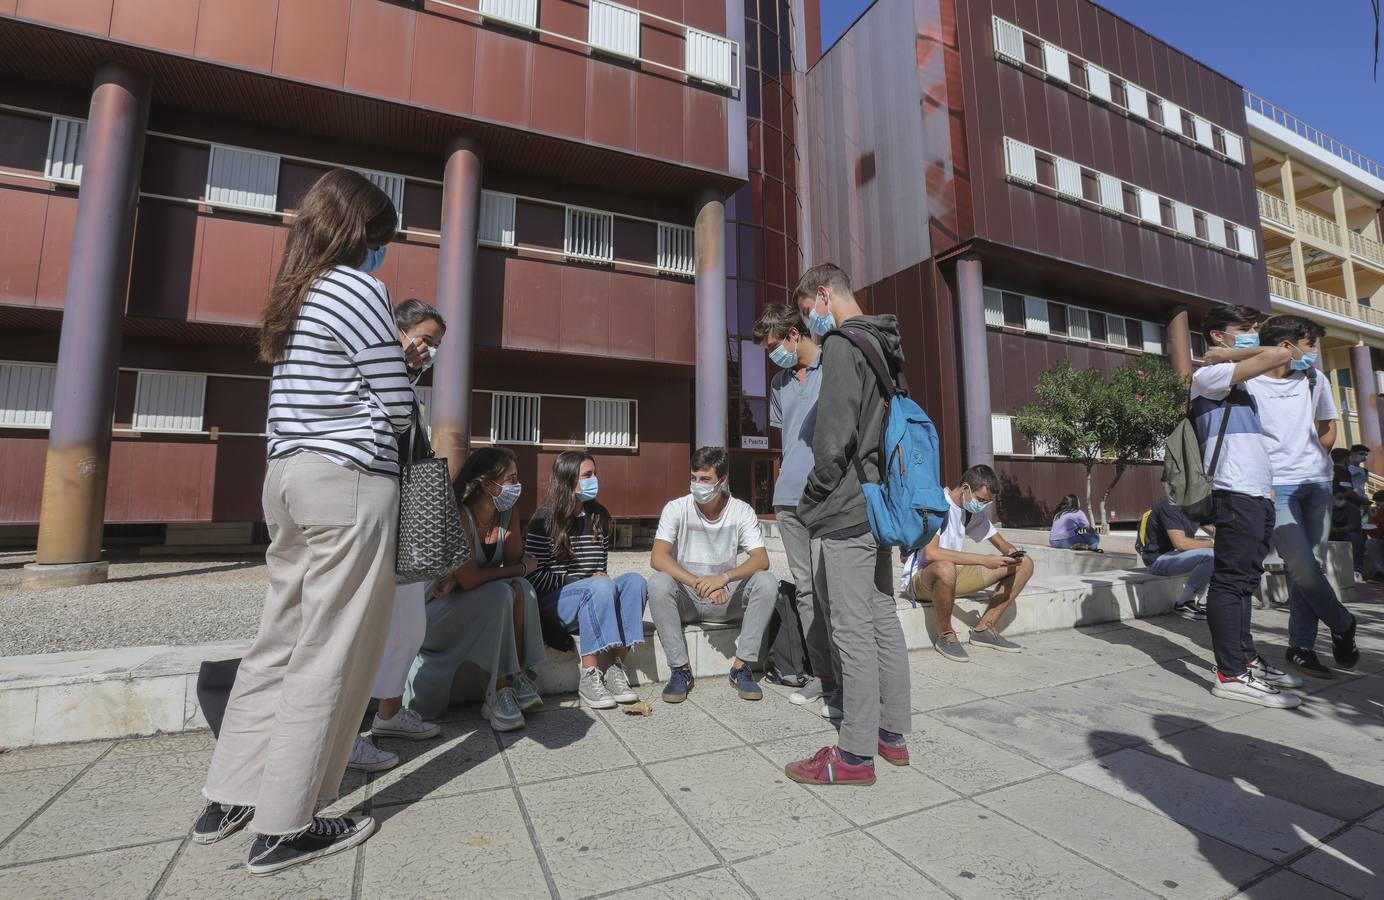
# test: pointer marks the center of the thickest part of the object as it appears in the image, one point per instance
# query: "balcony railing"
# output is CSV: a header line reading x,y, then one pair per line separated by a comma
x,y
1308,133
1319,227
1282,287
1367,248
1288,290
1275,209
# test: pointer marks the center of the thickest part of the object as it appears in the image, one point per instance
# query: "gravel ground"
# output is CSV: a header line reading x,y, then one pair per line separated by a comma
x,y
146,602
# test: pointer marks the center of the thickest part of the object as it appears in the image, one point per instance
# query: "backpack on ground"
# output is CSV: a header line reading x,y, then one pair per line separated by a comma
x,y
908,506
785,653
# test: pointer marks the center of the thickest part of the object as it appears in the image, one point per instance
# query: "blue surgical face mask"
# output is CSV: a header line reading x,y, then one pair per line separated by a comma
x,y
783,356
1246,341
819,323
509,495
1304,362
975,507
373,258
587,488
432,358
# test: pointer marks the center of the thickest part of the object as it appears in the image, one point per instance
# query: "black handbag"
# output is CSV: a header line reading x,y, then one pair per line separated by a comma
x,y
432,542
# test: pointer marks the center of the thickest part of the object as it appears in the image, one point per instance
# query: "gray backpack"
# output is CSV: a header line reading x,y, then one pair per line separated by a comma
x,y
1187,481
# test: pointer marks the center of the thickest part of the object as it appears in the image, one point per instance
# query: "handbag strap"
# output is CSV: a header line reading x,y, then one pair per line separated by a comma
x,y
1220,435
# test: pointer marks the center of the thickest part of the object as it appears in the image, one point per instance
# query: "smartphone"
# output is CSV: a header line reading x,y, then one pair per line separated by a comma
x,y
1018,554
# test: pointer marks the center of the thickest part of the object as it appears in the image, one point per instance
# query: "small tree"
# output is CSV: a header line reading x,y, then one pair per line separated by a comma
x,y
1089,420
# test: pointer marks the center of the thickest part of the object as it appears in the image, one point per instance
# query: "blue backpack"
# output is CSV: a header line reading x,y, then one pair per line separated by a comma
x,y
907,507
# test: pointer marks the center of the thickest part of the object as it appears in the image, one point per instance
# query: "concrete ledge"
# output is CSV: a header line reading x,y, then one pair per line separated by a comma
x,y
45,577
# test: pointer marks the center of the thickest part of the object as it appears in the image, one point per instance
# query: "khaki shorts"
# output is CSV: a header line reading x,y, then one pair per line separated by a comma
x,y
969,580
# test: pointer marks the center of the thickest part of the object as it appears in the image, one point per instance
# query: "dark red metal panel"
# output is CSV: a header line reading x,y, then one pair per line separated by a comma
x,y
310,41
166,24
379,49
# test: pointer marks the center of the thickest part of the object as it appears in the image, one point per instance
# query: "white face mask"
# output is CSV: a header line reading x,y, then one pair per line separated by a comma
x,y
705,493
508,496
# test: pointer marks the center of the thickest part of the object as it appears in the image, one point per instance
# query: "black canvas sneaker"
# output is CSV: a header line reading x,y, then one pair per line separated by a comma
x,y
273,853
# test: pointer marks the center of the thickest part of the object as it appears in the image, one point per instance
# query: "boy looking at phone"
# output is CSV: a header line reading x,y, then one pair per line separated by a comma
x,y
942,571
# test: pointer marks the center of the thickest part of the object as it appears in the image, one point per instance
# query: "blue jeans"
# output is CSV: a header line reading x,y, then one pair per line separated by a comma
x,y
1196,564
606,612
1091,540
1301,527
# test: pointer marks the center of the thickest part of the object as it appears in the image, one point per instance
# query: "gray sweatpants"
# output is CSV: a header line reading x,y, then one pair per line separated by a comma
x,y
853,578
797,546
302,688
673,604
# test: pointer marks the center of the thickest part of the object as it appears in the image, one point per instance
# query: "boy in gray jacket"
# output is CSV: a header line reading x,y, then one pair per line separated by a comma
x,y
852,573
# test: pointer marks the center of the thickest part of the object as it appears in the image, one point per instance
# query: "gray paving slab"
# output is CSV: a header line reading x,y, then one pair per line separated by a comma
x,y
754,721
964,762
680,729
23,793
860,867
477,845
563,742
611,830
1286,885
217,871
114,875
716,884
51,757
1376,822
897,791
959,847
1179,687
996,674
117,803
1044,740
1272,828
466,757
163,743
1082,708
930,692
743,804
1352,863
1119,836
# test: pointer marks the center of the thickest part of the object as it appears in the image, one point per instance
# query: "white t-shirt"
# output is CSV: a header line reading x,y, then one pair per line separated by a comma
x,y
704,547
1290,418
954,533
1244,465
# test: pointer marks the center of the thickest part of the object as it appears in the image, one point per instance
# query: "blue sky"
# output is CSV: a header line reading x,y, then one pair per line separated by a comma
x,y
1312,59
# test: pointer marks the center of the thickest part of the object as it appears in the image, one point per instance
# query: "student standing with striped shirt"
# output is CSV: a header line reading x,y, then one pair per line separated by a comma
x,y
339,396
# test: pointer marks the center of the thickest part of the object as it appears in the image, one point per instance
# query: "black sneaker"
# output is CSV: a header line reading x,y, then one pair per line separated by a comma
x,y
1191,610
1306,662
270,854
1343,647
219,821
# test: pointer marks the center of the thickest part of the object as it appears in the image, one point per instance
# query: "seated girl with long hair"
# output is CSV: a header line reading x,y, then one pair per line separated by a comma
x,y
1071,530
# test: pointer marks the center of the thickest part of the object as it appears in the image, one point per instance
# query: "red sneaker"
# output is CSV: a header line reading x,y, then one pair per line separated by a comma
x,y
894,753
827,767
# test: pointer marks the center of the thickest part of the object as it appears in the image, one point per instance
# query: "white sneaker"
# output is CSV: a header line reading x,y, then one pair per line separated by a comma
x,y
525,692
592,690
617,681
366,757
1249,688
405,724
807,693
831,706
502,709
1274,676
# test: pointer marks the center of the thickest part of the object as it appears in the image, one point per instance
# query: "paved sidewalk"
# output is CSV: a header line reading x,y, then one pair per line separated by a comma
x,y
1096,764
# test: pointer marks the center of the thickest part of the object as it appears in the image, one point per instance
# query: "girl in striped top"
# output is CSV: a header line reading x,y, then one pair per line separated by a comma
x,y
570,538
339,396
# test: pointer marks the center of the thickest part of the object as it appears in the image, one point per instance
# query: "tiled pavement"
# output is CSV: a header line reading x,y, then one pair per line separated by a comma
x,y
1096,764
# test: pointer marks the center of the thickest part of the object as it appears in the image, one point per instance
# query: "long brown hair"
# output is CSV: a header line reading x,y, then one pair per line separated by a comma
x,y
339,218
561,504
486,464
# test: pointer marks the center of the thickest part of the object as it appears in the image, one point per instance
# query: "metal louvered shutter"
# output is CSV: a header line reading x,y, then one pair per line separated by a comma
x,y
523,13
1201,130
1111,192
169,401
1009,40
1172,116
612,28
514,418
590,235
1002,434
1150,209
1036,315
392,185
1184,220
1215,230
675,248
1068,178
1078,324
1115,331
1234,147
710,58
66,150
1020,163
26,395
1056,63
1136,100
608,423
244,179
497,219
1098,82
994,308
1245,238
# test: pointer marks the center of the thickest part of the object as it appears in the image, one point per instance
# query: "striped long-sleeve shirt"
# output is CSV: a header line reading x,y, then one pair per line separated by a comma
x,y
590,554
342,389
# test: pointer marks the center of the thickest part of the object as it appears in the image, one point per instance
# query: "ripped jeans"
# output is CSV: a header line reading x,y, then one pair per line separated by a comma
x,y
605,612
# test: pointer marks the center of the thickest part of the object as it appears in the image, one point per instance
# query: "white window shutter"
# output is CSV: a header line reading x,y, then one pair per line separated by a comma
x,y
590,235
1020,163
26,395
243,179
1009,40
1068,177
1056,63
1234,147
1150,210
1002,434
1245,237
66,150
1172,116
1136,100
676,251
1078,325
1111,192
1153,338
523,13
1215,230
613,28
1202,131
1036,315
497,219
994,308
608,423
710,58
515,418
1183,219
392,185
1098,82
169,401
1115,331
1042,447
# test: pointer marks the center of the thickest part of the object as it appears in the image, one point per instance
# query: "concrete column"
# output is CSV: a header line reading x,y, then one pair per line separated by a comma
x,y
456,295
1180,342
1362,373
975,353
79,441
1338,204
1285,176
710,286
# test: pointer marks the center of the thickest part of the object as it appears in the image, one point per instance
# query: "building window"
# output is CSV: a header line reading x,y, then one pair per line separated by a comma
x,y
1198,345
1020,163
710,58
497,219
1153,338
66,150
608,423
1002,434
243,179
613,29
1057,319
589,235
676,251
392,185
26,395
1098,331
1134,334
994,308
169,401
1014,310
514,418
523,13
1009,40
1078,324
1036,315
